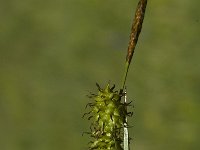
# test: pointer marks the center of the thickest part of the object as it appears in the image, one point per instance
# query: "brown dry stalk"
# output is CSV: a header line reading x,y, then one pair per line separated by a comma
x,y
136,28
135,32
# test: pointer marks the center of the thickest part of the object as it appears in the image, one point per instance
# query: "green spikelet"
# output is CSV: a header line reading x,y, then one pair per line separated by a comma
x,y
108,115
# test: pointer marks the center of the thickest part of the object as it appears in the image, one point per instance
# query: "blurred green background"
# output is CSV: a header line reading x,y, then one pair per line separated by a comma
x,y
53,52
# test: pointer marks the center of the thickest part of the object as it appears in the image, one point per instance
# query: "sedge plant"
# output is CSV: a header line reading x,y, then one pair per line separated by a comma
x,y
108,112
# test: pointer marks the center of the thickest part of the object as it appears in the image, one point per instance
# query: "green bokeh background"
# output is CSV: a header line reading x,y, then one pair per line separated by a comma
x,y
53,52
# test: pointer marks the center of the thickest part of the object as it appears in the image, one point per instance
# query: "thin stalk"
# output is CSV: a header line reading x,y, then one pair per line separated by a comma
x,y
135,32
126,136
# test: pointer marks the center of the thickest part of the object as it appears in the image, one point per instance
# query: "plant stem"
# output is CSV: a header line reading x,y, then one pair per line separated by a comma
x,y
135,32
125,76
126,136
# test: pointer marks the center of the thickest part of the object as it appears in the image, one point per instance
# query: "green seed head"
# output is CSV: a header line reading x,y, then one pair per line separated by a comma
x,y
108,113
